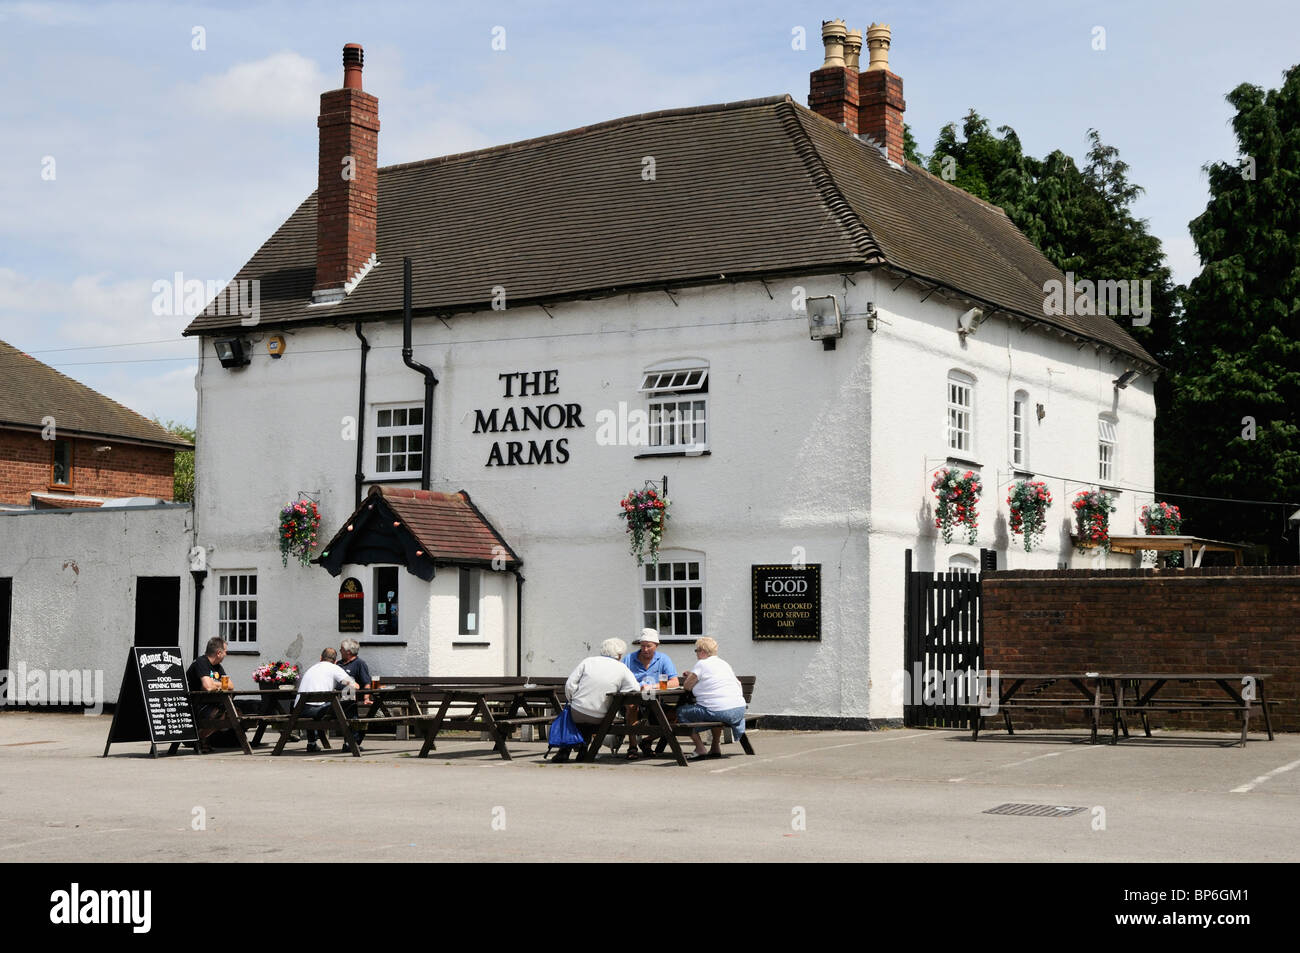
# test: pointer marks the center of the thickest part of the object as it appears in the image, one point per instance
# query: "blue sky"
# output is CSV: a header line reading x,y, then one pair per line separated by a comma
x,y
169,158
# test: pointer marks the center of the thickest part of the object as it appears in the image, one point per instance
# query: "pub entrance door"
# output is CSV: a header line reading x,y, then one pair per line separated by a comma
x,y
158,610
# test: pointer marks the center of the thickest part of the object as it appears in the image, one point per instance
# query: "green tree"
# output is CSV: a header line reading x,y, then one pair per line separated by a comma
x,y
183,466
1241,335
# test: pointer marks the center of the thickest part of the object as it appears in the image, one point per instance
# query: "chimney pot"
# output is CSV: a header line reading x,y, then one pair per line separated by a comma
x,y
833,34
354,58
878,38
852,48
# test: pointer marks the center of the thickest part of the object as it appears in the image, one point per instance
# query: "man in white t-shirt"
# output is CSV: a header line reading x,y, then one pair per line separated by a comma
x,y
718,697
324,676
589,686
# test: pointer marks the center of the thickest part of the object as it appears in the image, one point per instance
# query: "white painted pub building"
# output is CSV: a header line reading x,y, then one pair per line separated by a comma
x,y
763,303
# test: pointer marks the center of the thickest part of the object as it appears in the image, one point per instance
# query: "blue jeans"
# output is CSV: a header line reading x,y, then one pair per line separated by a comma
x,y
733,718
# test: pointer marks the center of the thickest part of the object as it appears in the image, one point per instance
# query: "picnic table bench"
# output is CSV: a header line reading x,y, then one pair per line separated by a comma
x,y
1107,693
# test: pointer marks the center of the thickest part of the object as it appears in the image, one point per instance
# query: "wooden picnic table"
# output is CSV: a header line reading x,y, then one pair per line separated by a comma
x,y
494,709
1118,693
655,724
271,713
1010,698
1241,691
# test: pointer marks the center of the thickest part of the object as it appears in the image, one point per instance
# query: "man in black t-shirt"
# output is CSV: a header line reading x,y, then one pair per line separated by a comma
x,y
360,673
204,675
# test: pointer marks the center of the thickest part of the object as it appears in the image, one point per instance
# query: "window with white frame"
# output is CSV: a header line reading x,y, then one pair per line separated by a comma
x,y
677,405
1020,430
399,441
1107,441
672,596
237,608
961,413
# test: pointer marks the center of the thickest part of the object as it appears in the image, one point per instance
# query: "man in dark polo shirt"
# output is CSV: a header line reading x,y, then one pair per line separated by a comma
x,y
360,673
204,675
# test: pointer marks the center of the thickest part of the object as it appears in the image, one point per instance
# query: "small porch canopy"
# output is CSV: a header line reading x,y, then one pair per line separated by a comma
x,y
418,529
1192,547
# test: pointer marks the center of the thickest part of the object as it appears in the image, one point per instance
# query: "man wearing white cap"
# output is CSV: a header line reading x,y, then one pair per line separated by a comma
x,y
648,666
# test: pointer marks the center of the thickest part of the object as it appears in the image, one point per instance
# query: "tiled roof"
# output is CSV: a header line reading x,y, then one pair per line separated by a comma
x,y
448,526
741,190
428,527
31,391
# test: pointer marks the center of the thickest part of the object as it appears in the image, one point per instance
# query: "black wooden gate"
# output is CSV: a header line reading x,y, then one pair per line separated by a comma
x,y
944,649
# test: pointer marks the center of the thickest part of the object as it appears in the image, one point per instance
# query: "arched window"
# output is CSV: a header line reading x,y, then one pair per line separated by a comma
x,y
963,562
961,413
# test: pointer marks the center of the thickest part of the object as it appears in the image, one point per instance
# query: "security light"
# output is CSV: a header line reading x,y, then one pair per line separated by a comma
x,y
969,321
824,318
1125,379
230,352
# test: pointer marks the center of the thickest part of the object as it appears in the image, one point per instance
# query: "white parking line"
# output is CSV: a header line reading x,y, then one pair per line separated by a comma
x,y
1264,777
1037,757
851,744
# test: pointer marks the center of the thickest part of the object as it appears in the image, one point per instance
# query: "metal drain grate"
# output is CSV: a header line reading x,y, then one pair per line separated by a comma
x,y
1035,810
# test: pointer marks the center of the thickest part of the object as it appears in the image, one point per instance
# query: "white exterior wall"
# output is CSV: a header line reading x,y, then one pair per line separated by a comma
x,y
74,583
822,450
1074,385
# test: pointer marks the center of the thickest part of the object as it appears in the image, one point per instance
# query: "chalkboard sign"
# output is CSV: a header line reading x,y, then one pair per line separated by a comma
x,y
352,606
153,704
787,602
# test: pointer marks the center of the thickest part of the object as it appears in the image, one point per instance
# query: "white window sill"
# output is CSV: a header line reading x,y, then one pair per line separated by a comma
x,y
674,452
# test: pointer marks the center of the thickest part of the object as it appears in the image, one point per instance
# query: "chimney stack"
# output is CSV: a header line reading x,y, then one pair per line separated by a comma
x,y
833,91
347,192
880,96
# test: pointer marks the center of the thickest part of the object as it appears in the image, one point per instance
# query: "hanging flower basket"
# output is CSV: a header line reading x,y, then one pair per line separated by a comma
x,y
958,497
1163,519
646,512
1092,509
299,521
1029,501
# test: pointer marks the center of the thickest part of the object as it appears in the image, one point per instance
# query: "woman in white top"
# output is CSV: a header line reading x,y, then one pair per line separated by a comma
x,y
718,697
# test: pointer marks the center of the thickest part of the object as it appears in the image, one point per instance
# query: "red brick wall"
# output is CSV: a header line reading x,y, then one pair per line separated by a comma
x,y
126,470
1217,619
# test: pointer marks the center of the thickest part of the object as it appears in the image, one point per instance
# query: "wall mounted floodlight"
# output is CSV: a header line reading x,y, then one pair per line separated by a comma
x,y
231,352
824,319
969,321
1125,379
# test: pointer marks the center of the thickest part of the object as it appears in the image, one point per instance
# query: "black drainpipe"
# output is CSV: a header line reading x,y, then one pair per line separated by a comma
x,y
361,416
200,577
430,382
519,622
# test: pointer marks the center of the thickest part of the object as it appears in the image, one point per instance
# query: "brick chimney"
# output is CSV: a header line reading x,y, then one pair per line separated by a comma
x,y
833,89
880,96
347,193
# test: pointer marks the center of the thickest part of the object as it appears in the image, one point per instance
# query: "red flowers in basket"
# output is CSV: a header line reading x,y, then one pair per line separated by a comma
x,y
1029,500
1092,509
958,498
646,512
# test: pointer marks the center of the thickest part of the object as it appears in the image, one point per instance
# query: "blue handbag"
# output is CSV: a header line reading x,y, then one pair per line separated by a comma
x,y
563,732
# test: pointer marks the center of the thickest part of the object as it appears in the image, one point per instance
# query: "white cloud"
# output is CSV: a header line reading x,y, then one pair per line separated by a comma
x,y
284,85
